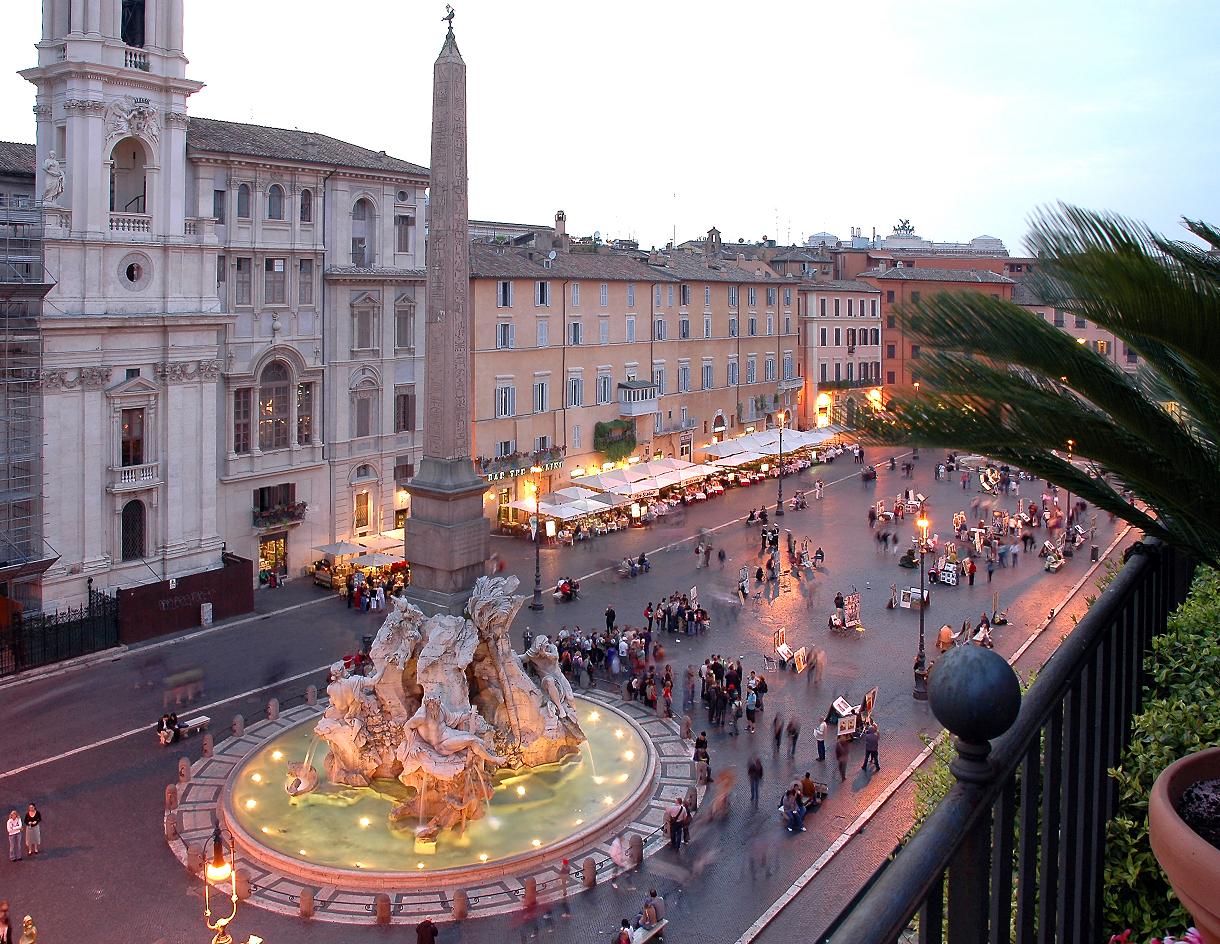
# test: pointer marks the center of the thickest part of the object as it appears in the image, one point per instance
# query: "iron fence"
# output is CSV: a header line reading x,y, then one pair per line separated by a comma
x,y
1015,851
45,638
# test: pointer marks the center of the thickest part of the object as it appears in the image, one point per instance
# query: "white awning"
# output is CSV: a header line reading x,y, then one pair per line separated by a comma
x,y
340,548
742,458
381,542
375,560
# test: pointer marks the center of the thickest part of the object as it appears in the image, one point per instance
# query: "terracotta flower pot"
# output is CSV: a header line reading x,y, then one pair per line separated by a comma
x,y
1192,863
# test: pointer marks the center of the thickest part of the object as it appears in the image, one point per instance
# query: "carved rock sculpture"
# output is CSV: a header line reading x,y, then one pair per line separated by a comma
x,y
446,705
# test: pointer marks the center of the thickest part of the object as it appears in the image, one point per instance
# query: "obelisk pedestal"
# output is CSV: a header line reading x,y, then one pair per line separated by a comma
x,y
446,533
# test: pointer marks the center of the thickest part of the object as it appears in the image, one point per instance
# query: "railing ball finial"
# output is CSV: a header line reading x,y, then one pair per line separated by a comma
x,y
975,694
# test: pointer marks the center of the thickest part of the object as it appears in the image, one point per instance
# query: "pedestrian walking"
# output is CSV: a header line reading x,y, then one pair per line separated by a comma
x,y
648,615
990,569
33,830
721,556
819,666
872,740
794,732
777,728
14,836
841,755
6,928
755,772
970,569
610,618
751,708
819,735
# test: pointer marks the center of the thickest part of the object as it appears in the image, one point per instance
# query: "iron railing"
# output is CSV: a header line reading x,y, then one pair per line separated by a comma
x,y
1017,853
43,638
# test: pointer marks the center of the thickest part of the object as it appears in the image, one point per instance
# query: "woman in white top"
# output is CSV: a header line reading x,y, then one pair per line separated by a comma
x,y
15,826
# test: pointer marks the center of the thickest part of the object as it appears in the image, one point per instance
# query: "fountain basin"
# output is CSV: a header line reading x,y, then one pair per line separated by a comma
x,y
340,835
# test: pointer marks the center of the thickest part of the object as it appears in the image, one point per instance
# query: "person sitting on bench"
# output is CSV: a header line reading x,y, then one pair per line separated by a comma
x,y
168,730
652,912
809,793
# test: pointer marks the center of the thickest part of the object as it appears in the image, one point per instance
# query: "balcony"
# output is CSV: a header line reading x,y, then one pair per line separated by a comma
x,y
279,517
131,478
789,384
637,398
131,224
847,384
135,59
200,228
676,426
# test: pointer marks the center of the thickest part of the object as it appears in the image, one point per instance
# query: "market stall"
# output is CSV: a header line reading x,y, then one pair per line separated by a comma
x,y
332,568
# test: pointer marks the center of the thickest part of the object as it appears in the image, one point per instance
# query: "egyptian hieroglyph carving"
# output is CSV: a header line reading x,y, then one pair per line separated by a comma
x,y
446,704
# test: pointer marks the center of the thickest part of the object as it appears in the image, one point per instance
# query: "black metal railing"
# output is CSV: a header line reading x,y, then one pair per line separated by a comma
x,y
45,638
1015,851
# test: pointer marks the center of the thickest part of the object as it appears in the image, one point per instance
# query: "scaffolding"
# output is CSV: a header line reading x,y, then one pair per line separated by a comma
x,y
23,286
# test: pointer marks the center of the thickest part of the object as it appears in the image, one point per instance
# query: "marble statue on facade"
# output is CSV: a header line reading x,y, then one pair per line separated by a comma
x,y
53,183
446,704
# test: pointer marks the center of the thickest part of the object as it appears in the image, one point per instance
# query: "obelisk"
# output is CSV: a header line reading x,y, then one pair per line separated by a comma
x,y
446,533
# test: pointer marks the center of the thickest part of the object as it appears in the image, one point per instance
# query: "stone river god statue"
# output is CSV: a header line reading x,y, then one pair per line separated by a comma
x,y
446,704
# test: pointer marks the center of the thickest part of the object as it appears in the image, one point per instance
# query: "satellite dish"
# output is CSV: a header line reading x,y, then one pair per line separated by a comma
x,y
551,255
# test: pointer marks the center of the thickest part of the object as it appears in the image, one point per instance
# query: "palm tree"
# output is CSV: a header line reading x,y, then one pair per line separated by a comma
x,y
1004,383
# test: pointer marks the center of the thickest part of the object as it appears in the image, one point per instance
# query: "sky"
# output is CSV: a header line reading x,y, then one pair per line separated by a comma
x,y
645,119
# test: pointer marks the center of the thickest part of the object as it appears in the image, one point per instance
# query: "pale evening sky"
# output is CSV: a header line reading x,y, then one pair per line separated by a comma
x,y
781,118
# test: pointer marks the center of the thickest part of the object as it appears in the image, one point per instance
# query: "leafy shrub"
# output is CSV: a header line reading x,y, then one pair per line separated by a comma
x,y
615,440
1180,717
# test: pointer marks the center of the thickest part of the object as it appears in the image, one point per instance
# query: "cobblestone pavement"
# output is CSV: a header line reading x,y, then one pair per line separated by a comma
x,y
70,741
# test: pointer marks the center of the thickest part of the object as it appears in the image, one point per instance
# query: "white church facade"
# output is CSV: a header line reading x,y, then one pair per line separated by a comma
x,y
234,338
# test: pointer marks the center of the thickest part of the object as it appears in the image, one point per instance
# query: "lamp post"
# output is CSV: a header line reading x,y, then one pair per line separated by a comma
x,y
220,869
536,524
920,692
1067,511
781,416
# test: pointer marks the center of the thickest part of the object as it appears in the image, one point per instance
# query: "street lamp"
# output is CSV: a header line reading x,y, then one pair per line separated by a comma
x,y
781,416
220,869
535,524
1067,511
920,692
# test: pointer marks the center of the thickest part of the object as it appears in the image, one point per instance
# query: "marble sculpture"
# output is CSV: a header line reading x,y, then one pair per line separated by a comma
x,y
446,704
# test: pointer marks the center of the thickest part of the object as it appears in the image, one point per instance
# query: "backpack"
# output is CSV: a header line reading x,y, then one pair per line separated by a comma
x,y
624,937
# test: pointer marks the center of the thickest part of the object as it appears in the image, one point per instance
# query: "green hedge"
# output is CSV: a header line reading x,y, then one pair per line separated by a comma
x,y
1181,716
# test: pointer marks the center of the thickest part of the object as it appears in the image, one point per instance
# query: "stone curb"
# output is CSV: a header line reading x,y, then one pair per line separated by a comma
x,y
275,891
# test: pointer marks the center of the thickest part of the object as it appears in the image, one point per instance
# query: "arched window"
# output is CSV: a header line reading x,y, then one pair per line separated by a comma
x,y
364,410
133,530
274,389
365,472
243,202
275,202
364,248
306,206
128,189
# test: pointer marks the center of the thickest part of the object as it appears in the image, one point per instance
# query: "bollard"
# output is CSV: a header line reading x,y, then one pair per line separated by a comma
x,y
635,842
306,903
311,695
184,770
529,896
241,884
692,799
687,728
194,857
209,744
239,726
588,873
382,908
171,798
171,827
461,904
273,709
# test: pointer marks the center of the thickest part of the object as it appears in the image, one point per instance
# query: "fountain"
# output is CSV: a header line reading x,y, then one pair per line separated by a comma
x,y
446,756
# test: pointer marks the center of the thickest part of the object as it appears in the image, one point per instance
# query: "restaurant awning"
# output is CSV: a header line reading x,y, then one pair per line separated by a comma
x,y
740,459
382,542
375,560
340,548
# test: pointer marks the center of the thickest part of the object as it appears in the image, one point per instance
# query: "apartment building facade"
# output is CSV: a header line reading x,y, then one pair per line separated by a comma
x,y
592,357
841,344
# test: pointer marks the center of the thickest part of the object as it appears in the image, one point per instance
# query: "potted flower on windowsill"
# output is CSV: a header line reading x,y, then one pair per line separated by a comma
x,y
1184,830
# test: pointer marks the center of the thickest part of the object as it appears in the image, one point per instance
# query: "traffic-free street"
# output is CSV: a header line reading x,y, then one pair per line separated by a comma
x,y
80,742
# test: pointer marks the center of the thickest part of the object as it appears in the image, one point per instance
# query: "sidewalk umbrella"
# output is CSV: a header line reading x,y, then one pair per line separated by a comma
x,y
340,548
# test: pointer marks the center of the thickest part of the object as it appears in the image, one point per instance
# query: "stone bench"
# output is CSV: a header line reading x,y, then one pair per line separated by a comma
x,y
196,725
